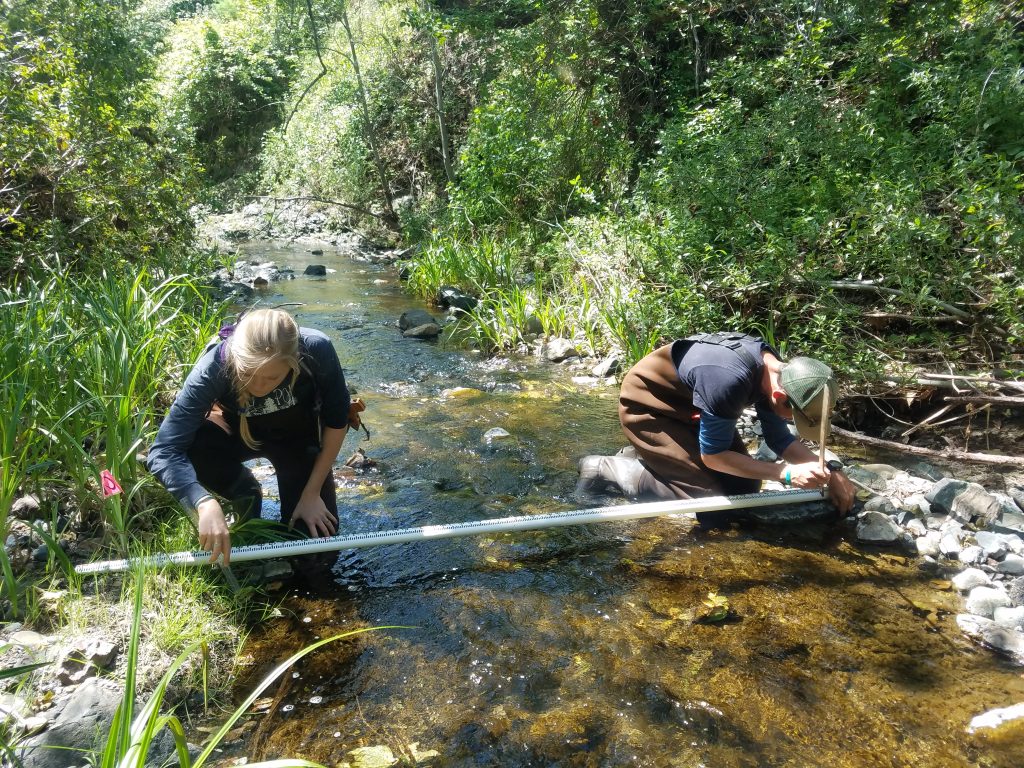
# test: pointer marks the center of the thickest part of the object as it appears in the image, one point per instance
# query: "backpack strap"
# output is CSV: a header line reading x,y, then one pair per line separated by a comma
x,y
733,341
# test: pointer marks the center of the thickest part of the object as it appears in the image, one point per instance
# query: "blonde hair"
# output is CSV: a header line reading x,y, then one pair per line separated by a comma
x,y
262,336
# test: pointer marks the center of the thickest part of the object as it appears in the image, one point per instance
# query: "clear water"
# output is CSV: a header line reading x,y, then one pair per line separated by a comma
x,y
584,646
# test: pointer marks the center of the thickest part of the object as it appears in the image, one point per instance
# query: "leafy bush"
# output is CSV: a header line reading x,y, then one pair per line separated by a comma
x,y
224,76
84,170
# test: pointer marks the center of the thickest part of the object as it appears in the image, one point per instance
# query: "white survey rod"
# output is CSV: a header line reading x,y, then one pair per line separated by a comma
x,y
618,512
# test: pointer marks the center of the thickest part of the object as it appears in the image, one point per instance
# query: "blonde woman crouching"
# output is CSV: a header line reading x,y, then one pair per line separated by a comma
x,y
269,389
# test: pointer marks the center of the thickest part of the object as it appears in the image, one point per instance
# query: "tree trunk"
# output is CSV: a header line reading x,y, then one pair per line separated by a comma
x,y
367,125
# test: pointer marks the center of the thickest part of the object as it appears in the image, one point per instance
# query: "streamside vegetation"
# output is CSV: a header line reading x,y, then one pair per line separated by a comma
x,y
842,176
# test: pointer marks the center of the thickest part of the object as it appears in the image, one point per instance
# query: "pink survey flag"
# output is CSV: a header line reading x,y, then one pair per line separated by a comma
x,y
110,485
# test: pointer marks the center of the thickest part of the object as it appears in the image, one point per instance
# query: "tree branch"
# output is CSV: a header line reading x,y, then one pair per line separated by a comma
x,y
951,455
320,58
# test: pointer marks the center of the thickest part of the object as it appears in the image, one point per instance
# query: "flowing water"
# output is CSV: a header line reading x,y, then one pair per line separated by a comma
x,y
584,646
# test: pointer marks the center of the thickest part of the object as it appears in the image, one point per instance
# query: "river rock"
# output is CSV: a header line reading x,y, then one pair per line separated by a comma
x,y
26,638
559,350
315,270
884,471
609,366
1012,617
949,545
877,528
862,474
967,502
373,757
85,658
983,601
995,718
1016,493
26,508
928,545
415,317
993,544
1012,565
1015,591
916,527
986,631
969,578
880,504
427,331
971,555
82,725
450,297
496,434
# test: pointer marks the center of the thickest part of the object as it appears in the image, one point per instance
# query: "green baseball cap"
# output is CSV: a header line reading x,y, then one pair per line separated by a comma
x,y
812,391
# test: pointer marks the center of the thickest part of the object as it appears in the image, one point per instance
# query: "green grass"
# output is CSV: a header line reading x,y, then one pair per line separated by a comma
x,y
84,366
135,728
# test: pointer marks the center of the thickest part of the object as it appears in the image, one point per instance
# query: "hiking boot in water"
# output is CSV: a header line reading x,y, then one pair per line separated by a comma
x,y
603,474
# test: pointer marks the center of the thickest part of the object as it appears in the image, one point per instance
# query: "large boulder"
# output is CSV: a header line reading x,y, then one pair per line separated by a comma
x,y
414,318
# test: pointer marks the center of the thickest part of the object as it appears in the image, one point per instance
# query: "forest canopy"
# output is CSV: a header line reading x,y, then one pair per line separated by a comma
x,y
846,176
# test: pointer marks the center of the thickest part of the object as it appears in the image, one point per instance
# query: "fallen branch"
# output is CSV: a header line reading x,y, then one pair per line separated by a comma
x,y
847,285
993,399
949,454
953,380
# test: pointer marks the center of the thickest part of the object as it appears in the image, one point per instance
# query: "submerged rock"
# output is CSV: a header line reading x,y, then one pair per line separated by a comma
x,y
415,317
997,717
986,631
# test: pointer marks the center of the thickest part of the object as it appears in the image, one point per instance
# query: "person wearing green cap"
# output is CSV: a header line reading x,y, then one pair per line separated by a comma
x,y
679,407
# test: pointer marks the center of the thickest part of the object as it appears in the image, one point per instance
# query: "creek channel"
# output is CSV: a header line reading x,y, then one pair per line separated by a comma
x,y
583,646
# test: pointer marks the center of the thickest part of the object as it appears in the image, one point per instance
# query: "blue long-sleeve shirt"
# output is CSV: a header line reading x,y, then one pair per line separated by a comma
x,y
209,383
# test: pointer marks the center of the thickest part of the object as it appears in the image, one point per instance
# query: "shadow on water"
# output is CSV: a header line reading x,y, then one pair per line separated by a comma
x,y
582,646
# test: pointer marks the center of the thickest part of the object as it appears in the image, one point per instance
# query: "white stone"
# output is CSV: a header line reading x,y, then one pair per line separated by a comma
x,y
983,601
1009,617
971,555
916,527
990,634
928,545
1013,565
969,578
996,717
949,545
993,544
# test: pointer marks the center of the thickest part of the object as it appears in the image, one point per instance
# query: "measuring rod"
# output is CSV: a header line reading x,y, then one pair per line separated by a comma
x,y
687,507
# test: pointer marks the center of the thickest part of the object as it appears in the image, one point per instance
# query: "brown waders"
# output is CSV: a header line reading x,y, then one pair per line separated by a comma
x,y
657,414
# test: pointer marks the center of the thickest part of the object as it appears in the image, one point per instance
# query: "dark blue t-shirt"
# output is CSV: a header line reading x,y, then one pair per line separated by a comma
x,y
725,382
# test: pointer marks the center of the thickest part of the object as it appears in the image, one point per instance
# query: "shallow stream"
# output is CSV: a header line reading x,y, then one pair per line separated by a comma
x,y
582,646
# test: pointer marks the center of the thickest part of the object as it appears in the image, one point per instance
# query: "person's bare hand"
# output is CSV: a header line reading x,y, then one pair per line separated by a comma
x,y
314,513
841,492
213,531
809,475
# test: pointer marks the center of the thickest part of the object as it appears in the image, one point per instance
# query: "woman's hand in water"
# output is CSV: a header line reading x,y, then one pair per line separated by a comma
x,y
213,531
312,511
